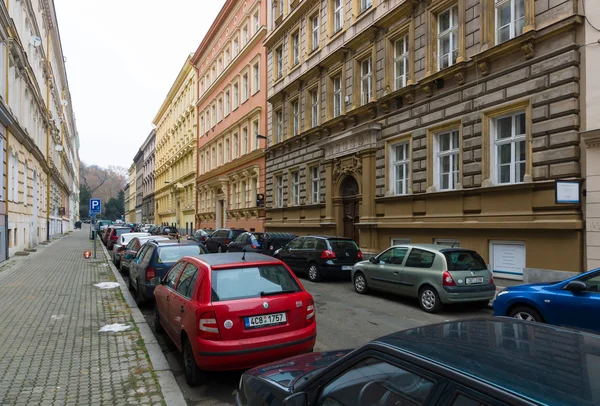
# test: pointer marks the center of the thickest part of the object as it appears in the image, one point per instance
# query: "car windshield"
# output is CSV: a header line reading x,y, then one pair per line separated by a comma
x,y
121,231
464,261
343,245
176,252
243,283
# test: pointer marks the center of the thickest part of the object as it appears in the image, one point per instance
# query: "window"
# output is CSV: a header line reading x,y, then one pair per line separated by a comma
x,y
338,15
365,4
214,114
296,49
279,125
401,168
314,110
220,109
281,7
227,103
279,56
213,73
227,151
279,191
296,117
236,96
295,188
420,258
447,37
243,194
256,76
236,145
393,256
366,81
509,150
202,125
236,46
256,22
337,96
314,32
202,86
314,184
220,154
244,140
255,129
244,87
227,56
395,385
447,159
173,274
245,35
400,62
187,281
220,65
208,123
510,19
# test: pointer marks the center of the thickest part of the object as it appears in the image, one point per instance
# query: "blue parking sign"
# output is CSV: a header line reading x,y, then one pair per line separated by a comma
x,y
95,205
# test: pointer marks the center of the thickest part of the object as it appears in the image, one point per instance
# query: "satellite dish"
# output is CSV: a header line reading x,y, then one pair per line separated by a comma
x,y
35,41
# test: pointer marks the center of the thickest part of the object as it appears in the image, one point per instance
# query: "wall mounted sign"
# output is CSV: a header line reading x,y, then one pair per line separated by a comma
x,y
568,191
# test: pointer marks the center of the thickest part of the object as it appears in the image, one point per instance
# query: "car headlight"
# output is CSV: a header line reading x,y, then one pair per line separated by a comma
x,y
504,292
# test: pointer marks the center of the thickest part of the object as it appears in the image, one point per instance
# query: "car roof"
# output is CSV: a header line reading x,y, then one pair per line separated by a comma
x,y
434,247
543,363
234,259
327,237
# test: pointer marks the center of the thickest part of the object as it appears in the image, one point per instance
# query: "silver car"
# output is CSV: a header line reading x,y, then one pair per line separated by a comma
x,y
434,274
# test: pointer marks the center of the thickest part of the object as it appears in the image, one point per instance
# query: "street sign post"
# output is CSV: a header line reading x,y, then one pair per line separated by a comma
x,y
95,208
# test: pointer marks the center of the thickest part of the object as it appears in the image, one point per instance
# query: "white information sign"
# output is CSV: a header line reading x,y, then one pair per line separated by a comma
x,y
567,192
507,259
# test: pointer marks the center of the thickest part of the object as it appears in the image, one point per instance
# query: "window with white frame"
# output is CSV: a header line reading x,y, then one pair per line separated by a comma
x,y
227,150
296,48
236,145
202,131
366,81
447,37
509,153
255,133
236,46
279,125
214,114
314,184
295,177
510,19
236,95
213,73
337,96
245,35
253,192
227,56
208,123
245,140
315,32
256,77
220,154
365,4
219,109
279,191
447,156
400,163
314,107
296,117
400,62
256,22
338,15
227,103
244,87
243,187
220,65
279,56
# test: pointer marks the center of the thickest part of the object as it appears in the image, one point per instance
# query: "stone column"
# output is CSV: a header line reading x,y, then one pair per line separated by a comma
x,y
368,191
592,201
329,218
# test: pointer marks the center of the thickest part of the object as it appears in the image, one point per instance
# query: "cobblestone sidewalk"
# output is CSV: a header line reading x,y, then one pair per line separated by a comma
x,y
51,352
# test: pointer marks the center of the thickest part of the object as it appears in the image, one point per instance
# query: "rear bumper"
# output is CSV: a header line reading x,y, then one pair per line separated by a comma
x,y
458,294
248,353
336,271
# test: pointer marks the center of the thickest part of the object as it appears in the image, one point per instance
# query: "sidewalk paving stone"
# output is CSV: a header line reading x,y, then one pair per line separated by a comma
x,y
50,349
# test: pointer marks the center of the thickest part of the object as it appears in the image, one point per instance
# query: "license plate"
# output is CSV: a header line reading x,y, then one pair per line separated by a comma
x,y
471,281
265,320
346,268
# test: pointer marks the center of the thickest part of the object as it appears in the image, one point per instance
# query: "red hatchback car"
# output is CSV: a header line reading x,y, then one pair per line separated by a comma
x,y
233,312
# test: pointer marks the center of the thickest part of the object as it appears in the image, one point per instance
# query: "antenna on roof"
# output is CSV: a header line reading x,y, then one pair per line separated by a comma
x,y
244,254
454,243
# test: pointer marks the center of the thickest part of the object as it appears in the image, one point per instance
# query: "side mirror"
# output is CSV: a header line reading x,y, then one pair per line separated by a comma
x,y
297,399
128,256
576,286
373,260
155,281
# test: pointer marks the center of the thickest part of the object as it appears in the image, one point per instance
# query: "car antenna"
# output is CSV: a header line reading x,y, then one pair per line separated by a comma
x,y
454,243
244,254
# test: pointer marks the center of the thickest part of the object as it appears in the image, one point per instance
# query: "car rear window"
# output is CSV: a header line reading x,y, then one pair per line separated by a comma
x,y
343,245
248,282
464,261
121,231
235,233
176,252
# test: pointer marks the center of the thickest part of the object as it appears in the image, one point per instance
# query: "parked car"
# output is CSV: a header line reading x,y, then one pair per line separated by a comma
x,y
154,260
321,257
201,235
120,245
573,302
491,361
132,249
435,274
220,239
260,242
236,313
114,234
166,230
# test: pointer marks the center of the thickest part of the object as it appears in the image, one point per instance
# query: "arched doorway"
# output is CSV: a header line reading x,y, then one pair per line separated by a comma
x,y
351,215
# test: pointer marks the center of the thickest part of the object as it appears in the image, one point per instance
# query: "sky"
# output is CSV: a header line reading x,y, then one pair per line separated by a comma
x,y
122,56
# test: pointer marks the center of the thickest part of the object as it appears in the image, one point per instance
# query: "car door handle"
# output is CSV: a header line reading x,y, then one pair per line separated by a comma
x,y
395,273
168,298
182,309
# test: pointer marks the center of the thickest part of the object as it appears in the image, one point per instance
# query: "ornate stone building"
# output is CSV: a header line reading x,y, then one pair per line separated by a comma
x,y
231,68
148,149
435,121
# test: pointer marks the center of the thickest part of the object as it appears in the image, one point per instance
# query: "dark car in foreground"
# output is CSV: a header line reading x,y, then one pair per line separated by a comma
x,y
486,361
574,302
321,257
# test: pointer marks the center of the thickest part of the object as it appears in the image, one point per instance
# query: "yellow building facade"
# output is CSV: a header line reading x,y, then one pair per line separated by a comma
x,y
176,138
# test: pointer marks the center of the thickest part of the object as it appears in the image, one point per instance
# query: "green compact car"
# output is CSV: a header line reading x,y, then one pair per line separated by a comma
x,y
434,274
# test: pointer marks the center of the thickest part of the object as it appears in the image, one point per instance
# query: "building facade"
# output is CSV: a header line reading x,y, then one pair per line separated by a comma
x,y
176,137
38,135
441,122
231,68
127,205
148,178
138,161
131,209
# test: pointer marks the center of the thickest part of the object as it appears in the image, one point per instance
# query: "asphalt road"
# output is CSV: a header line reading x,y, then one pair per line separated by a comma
x,y
344,320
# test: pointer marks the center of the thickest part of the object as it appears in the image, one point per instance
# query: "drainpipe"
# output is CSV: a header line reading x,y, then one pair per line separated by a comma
x,y
48,140
7,146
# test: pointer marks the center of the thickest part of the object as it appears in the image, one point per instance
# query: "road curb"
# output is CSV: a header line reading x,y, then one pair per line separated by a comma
x,y
170,389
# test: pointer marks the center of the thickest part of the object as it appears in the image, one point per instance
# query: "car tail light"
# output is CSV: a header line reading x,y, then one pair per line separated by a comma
x,y
328,254
491,279
150,273
253,246
208,328
360,255
227,241
447,279
310,312
114,238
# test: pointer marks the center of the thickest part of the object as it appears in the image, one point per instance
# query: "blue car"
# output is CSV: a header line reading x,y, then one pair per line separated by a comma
x,y
574,302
